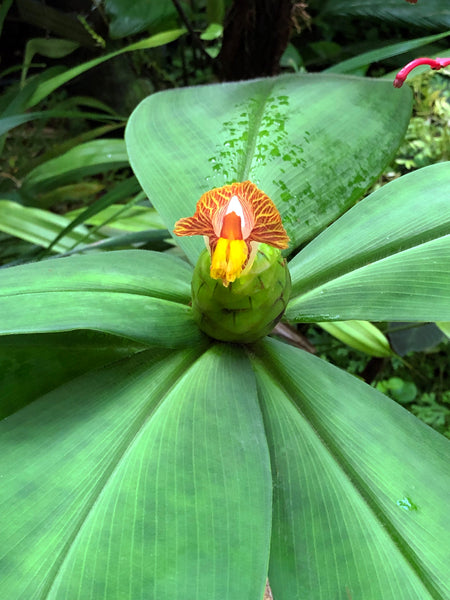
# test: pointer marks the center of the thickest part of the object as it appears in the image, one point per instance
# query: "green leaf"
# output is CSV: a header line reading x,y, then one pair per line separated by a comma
x,y
4,8
136,294
128,18
121,190
432,14
51,48
361,335
295,136
32,365
8,123
127,218
444,327
83,160
39,226
150,239
212,32
47,87
367,58
360,486
147,479
40,86
386,259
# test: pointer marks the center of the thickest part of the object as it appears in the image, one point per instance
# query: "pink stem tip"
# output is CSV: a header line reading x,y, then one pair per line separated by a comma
x,y
434,63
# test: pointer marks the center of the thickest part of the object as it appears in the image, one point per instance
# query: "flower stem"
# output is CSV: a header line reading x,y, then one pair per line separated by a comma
x,y
434,63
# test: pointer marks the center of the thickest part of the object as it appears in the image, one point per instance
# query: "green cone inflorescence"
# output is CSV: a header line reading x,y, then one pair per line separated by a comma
x,y
250,307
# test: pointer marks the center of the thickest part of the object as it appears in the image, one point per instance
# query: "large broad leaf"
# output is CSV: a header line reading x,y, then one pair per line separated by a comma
x,y
31,365
360,486
148,479
313,143
386,259
136,294
432,14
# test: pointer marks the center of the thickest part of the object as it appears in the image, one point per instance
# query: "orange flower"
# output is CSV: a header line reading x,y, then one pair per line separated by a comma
x,y
234,219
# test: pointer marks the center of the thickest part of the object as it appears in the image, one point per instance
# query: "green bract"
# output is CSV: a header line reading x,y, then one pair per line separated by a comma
x,y
250,307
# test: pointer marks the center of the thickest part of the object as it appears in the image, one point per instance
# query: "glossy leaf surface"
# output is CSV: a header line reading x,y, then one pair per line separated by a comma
x,y
386,259
31,365
160,486
83,160
361,335
295,136
136,294
39,227
387,51
360,486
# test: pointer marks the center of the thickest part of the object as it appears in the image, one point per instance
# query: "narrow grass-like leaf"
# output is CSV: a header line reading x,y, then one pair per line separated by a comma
x,y
47,87
8,123
150,239
386,259
360,486
352,64
40,226
432,14
83,160
124,217
121,190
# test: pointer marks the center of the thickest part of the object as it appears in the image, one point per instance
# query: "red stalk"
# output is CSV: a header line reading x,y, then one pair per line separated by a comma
x,y
434,63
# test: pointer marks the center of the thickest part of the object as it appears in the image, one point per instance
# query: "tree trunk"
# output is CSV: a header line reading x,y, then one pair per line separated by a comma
x,y
256,33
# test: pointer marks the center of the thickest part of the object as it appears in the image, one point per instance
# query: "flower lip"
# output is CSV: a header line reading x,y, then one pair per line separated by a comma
x,y
231,228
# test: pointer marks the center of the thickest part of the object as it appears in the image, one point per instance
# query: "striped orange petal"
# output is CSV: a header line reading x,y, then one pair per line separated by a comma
x,y
229,216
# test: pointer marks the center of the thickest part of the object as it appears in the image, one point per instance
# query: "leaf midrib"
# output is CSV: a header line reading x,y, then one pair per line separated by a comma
x,y
253,131
139,423
348,470
355,263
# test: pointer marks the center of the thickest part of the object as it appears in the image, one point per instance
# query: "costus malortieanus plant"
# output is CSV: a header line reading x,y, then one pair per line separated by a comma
x,y
243,233
142,459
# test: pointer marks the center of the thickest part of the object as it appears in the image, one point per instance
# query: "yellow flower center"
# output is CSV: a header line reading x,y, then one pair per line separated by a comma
x,y
228,260
231,251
